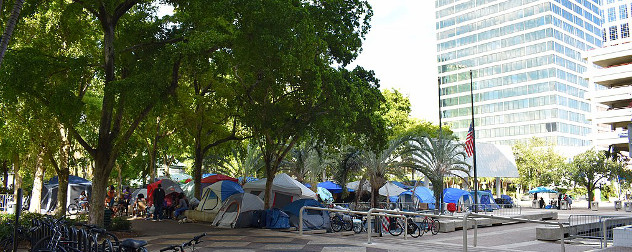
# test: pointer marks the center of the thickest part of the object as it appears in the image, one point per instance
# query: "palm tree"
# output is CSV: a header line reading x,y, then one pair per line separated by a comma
x,y
244,163
437,158
307,163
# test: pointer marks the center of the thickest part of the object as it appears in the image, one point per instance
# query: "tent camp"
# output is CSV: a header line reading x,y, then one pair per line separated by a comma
x,y
456,196
215,194
422,195
312,219
168,185
353,186
284,190
76,185
390,189
237,210
189,188
331,186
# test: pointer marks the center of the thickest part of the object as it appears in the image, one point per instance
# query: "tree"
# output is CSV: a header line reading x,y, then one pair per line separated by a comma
x,y
437,158
281,60
10,26
538,163
590,168
396,111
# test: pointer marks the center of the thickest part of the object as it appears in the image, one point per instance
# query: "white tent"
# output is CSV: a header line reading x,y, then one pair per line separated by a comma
x,y
284,190
366,186
237,210
389,189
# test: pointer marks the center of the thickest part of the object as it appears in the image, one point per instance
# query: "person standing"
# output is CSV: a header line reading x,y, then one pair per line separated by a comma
x,y
110,197
559,201
541,203
570,201
159,197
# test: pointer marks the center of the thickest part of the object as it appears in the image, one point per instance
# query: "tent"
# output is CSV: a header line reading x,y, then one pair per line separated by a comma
x,y
457,196
486,201
353,186
217,177
541,189
331,186
76,185
402,185
389,189
325,195
168,185
215,194
284,190
237,210
312,219
422,195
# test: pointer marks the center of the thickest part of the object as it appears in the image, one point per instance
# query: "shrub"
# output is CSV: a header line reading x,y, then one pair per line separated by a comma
x,y
120,223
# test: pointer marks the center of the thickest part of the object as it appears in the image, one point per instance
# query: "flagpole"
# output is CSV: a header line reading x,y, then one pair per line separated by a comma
x,y
474,145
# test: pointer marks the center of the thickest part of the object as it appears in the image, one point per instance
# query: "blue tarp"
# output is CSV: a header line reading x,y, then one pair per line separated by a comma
x,y
507,199
424,195
331,186
307,185
452,195
312,219
542,189
73,180
229,188
400,184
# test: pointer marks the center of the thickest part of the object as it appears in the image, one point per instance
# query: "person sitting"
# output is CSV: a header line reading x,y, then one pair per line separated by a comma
x,y
181,207
140,206
83,201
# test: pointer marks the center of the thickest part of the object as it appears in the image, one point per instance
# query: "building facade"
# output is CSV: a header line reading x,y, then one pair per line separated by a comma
x,y
612,74
526,63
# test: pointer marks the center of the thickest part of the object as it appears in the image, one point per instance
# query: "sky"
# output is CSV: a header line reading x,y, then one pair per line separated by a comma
x,y
401,49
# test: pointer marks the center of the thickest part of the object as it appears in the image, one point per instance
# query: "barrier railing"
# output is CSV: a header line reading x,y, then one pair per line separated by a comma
x,y
498,209
561,225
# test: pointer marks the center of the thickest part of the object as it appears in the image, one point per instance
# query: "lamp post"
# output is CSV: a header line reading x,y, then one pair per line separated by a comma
x,y
474,145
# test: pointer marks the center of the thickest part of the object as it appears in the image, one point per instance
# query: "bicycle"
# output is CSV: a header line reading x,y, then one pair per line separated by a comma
x,y
430,225
76,207
338,223
181,247
57,241
23,235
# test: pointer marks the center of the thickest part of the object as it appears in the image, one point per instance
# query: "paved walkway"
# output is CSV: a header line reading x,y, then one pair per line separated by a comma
x,y
516,237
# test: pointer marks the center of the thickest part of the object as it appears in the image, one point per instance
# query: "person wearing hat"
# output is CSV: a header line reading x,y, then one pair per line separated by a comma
x,y
159,197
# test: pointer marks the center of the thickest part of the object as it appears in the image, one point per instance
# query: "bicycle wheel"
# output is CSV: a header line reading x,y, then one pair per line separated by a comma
x,y
44,245
358,228
336,223
434,227
73,209
413,230
106,246
424,226
348,225
6,245
395,229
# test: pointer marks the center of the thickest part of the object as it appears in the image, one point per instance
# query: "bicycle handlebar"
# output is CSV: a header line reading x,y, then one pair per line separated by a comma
x,y
197,238
171,248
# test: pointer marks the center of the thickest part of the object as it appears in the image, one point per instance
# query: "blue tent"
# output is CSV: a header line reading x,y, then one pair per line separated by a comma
x,y
542,189
312,219
423,194
331,186
71,180
507,198
486,201
453,195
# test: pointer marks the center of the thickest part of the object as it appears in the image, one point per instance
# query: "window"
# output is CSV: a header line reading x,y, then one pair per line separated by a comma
x,y
625,30
613,33
612,15
604,35
623,11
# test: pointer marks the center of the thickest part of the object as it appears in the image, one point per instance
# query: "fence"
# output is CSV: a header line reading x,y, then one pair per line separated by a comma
x,y
5,201
596,227
502,209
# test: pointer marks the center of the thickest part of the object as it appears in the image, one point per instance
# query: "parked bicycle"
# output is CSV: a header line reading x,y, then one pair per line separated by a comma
x,y
23,235
77,207
340,222
181,247
430,224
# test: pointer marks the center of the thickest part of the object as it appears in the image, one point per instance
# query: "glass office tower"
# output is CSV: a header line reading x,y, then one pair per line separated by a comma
x,y
526,63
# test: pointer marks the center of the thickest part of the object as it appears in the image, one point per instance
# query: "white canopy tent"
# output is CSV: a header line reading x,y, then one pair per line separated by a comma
x,y
495,161
389,189
285,190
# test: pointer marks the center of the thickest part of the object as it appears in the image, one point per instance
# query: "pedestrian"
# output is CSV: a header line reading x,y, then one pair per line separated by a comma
x,y
110,197
541,202
559,201
570,201
159,197
182,206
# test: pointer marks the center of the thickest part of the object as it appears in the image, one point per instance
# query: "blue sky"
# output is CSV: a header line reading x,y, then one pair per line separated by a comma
x,y
401,49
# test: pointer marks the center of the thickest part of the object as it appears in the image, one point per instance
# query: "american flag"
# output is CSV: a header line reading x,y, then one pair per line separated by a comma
x,y
469,141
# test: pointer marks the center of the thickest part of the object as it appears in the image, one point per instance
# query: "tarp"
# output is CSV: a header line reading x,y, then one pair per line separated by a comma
x,y
331,186
307,185
454,195
76,185
389,189
312,219
423,195
324,194
236,210
542,189
400,184
284,190
168,185
353,186
214,195
71,180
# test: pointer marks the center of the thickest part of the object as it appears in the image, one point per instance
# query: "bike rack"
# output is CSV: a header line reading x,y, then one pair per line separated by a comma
x,y
300,215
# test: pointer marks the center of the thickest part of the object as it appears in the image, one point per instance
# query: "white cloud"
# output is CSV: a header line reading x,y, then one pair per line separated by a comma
x,y
401,49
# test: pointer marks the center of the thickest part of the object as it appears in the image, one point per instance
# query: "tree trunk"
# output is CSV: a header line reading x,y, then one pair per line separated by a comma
x,y
437,189
591,195
62,191
36,194
268,193
5,173
16,175
119,178
8,32
197,168
152,162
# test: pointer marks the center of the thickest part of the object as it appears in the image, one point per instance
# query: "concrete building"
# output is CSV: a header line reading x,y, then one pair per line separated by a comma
x,y
527,67
612,75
